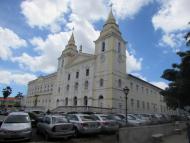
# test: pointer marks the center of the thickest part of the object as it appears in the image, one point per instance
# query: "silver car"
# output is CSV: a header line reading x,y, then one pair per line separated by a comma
x,y
84,124
107,123
16,127
121,120
55,126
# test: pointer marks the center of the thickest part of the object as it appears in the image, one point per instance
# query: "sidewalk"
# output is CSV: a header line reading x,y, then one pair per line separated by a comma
x,y
176,139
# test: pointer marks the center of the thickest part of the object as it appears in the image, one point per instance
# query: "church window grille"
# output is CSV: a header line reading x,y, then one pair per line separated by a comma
x,y
85,101
87,72
75,101
103,46
77,75
101,82
86,85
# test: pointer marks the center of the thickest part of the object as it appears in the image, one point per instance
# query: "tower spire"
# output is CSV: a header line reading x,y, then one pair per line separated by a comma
x,y
111,18
72,39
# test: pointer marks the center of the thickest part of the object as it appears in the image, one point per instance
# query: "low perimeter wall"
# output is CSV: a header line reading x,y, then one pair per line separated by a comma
x,y
143,134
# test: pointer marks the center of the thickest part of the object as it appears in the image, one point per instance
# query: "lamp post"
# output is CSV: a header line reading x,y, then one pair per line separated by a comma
x,y
126,91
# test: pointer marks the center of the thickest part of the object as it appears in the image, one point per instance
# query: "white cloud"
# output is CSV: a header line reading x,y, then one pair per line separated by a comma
x,y
8,41
128,8
159,84
139,76
172,18
90,10
133,64
172,40
48,51
84,32
45,13
81,18
8,77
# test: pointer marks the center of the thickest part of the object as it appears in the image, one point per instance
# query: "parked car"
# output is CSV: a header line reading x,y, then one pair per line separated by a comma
x,y
55,126
84,124
16,127
132,121
141,121
35,118
107,123
121,121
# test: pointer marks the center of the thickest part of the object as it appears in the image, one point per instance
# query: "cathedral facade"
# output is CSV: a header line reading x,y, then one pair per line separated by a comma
x,y
95,82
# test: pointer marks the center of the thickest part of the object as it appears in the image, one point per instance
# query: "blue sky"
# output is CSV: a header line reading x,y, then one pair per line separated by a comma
x,y
33,34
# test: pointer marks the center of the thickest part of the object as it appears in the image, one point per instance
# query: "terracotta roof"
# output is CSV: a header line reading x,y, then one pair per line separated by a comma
x,y
7,99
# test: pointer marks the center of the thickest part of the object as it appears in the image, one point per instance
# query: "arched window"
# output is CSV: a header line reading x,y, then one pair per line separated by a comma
x,y
103,46
119,83
66,101
86,84
85,101
75,101
100,101
101,82
119,47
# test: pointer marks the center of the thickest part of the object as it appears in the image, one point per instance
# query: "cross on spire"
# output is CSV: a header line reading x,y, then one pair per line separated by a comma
x,y
111,5
73,29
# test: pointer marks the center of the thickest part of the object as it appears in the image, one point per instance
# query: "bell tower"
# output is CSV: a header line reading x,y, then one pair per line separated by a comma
x,y
68,53
110,65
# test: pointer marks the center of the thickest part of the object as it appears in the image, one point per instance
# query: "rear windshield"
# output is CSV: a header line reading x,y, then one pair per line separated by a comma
x,y
130,117
87,118
106,118
17,119
56,120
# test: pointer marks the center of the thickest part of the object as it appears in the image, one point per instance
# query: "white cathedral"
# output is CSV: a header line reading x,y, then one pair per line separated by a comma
x,y
95,82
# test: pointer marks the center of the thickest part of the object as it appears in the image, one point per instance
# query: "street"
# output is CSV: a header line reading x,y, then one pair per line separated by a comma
x,y
180,138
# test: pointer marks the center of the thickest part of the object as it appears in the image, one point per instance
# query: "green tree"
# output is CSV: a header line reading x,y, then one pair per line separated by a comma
x,y
19,95
177,93
6,92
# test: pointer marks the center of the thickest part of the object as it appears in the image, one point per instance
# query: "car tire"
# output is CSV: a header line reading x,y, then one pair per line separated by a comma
x,y
46,136
38,131
76,133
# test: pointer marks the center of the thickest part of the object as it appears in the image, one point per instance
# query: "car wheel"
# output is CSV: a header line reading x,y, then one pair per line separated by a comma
x,y
46,136
76,133
37,131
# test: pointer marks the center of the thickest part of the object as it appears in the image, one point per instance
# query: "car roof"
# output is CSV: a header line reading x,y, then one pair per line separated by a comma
x,y
81,114
101,114
54,116
18,113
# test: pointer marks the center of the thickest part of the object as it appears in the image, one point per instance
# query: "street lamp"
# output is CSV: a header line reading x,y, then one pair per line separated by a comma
x,y
126,91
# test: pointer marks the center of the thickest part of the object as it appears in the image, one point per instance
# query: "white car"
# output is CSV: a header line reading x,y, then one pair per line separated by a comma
x,y
107,123
84,124
55,126
16,127
131,121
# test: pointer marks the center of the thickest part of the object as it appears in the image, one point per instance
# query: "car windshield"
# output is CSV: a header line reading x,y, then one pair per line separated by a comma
x,y
130,117
121,117
56,120
96,118
87,118
17,119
